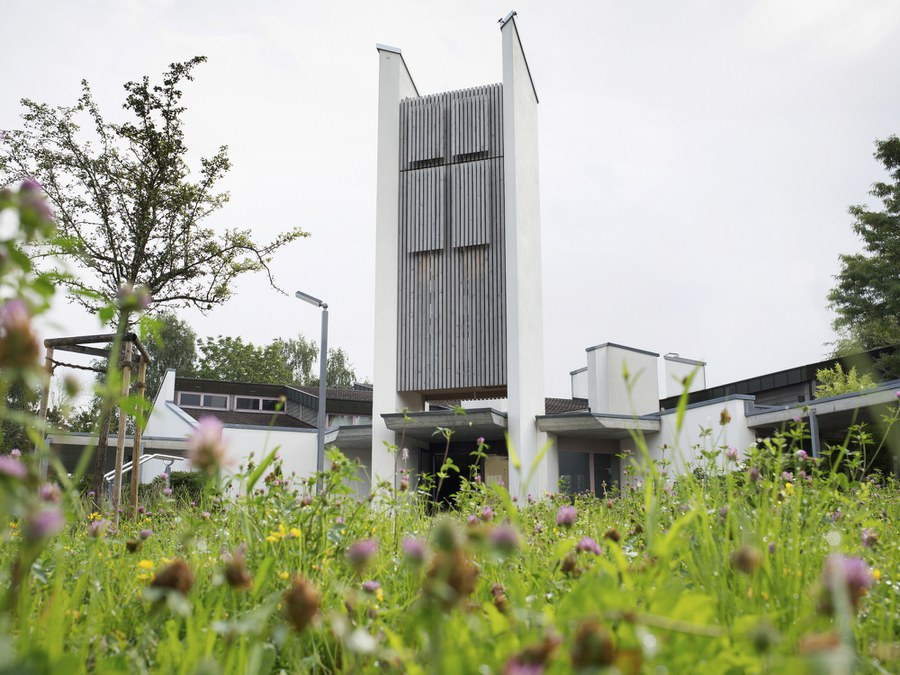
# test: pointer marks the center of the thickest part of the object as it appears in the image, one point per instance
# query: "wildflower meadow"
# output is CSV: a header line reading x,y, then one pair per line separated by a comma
x,y
763,560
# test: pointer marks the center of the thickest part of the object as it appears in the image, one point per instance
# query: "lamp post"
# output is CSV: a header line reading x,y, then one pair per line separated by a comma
x,y
323,375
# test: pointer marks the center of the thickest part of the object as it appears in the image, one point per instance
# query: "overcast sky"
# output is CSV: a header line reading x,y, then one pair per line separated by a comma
x,y
697,158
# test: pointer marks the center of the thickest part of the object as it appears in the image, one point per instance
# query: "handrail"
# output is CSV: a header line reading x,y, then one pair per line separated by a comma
x,y
108,476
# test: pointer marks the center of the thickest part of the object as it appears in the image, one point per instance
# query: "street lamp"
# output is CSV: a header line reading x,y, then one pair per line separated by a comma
x,y
323,374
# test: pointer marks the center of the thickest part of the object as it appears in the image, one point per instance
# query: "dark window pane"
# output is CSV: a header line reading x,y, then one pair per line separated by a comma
x,y
606,471
214,401
574,472
189,399
241,403
271,405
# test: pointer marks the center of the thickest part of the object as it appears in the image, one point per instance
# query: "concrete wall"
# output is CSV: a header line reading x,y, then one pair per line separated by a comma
x,y
608,391
684,448
524,321
678,369
579,383
394,85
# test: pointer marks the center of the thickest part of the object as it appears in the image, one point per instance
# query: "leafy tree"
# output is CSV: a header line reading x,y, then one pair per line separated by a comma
x,y
292,361
171,343
867,295
228,358
834,381
340,371
302,357
129,212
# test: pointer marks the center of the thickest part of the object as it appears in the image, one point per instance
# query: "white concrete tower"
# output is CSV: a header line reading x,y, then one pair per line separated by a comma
x,y
458,295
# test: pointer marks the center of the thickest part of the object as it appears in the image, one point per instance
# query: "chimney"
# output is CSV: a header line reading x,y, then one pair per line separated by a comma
x,y
679,368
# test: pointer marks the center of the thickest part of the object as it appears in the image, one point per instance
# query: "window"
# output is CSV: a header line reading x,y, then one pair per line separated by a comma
x,y
594,472
189,399
192,400
574,472
243,403
272,404
215,401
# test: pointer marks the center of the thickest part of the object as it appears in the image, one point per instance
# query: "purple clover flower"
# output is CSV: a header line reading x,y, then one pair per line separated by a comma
x,y
12,467
753,474
801,455
731,454
487,514
566,516
415,550
360,553
853,573
97,528
50,493
787,476
869,537
371,586
206,450
43,524
145,534
505,537
588,545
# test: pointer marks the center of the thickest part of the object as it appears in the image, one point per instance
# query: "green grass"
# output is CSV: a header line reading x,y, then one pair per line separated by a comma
x,y
711,573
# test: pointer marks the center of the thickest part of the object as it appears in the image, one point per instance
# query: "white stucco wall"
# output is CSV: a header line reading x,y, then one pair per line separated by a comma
x,y
524,316
684,448
678,368
394,85
608,392
580,386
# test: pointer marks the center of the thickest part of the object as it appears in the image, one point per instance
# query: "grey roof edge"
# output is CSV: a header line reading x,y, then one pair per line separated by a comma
x,y
511,18
618,346
396,50
434,413
712,401
802,406
615,416
263,427
681,359
578,370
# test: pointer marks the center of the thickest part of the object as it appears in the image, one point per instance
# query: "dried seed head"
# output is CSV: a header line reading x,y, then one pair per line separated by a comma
x,y
301,603
451,577
613,535
176,576
746,559
500,600
594,646
236,574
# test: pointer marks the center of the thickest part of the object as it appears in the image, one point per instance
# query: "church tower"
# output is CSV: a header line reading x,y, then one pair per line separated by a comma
x,y
458,308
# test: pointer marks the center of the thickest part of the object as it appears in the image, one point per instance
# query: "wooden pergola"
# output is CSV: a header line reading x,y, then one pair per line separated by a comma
x,y
133,353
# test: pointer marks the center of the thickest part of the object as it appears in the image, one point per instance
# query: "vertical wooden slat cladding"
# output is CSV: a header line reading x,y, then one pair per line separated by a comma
x,y
423,212
452,277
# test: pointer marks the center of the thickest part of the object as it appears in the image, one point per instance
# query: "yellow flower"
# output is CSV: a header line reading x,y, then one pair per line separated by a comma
x,y
96,515
272,538
876,574
295,533
146,564
284,576
380,595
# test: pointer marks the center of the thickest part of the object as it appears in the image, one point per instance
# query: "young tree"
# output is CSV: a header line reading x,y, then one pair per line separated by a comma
x,y
867,295
128,210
